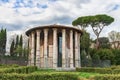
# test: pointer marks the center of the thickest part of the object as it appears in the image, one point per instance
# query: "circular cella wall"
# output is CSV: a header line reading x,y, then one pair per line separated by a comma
x,y
54,46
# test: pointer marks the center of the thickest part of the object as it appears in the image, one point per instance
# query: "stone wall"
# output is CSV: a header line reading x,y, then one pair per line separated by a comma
x,y
8,61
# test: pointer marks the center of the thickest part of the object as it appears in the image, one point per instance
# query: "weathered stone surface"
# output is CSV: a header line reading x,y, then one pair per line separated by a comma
x,y
38,49
50,62
32,48
45,48
42,62
63,47
55,48
41,51
44,43
50,52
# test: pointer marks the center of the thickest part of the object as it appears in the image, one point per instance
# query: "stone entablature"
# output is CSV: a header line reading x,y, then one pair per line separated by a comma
x,y
54,46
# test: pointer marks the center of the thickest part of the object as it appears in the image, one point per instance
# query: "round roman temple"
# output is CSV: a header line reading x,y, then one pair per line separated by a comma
x,y
54,46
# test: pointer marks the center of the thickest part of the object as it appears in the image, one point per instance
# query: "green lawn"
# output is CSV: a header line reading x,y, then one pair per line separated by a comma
x,y
80,74
86,75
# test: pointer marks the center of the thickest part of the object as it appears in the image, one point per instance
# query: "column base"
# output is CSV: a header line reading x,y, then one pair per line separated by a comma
x,y
65,69
71,65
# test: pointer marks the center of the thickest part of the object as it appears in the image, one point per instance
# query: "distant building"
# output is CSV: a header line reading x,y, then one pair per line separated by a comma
x,y
54,46
115,44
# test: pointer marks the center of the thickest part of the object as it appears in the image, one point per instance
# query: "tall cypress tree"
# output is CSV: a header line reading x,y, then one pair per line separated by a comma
x,y
16,44
20,45
3,41
12,47
17,41
0,43
21,41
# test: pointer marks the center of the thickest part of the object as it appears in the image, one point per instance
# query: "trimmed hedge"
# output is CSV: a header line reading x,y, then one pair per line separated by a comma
x,y
95,70
39,76
23,69
8,66
107,77
111,70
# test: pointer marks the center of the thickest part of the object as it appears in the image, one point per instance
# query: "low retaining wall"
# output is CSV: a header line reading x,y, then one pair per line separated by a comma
x,y
19,61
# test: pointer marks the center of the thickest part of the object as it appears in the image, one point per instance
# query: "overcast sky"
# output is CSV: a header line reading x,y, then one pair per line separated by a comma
x,y
19,15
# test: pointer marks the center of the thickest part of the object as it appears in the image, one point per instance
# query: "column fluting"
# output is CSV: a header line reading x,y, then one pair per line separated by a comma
x,y
38,49
33,49
29,57
45,48
76,50
63,48
71,49
55,48
79,58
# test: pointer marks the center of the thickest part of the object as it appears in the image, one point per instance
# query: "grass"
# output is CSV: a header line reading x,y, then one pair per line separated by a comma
x,y
80,74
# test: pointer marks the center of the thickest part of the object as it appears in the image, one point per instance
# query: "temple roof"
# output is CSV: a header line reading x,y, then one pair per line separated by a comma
x,y
53,26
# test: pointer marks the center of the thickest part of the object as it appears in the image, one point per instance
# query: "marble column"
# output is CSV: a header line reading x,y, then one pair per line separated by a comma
x,y
79,58
45,48
38,49
63,48
33,49
71,49
55,48
29,57
76,50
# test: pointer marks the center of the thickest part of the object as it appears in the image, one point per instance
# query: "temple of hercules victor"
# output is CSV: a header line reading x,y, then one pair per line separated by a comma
x,y
54,46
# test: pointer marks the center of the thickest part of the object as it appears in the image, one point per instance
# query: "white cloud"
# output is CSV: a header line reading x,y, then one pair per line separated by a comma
x,y
59,11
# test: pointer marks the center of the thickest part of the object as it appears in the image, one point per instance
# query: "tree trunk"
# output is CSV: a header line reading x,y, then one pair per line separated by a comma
x,y
97,43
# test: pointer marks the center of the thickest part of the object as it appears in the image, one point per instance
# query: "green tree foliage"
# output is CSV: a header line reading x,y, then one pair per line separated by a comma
x,y
85,59
16,47
22,52
97,22
116,59
81,22
105,54
21,41
19,50
93,54
99,56
20,46
104,42
85,41
26,52
16,44
17,41
3,38
12,48
102,54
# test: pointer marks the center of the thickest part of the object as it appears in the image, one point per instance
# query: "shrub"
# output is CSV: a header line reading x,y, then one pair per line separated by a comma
x,y
116,59
39,76
22,69
110,70
8,66
85,59
95,70
93,54
46,70
105,54
107,77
